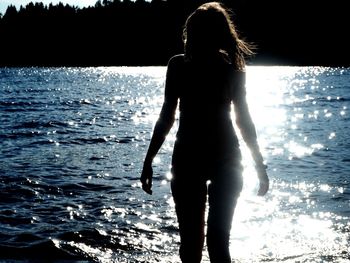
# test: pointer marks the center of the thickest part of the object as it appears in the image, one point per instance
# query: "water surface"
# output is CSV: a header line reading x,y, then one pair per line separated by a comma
x,y
72,145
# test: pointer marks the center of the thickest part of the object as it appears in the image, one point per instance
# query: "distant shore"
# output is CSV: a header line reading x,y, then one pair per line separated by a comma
x,y
141,33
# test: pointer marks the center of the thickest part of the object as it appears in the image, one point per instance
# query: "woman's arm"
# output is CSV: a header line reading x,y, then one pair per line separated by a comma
x,y
247,128
163,125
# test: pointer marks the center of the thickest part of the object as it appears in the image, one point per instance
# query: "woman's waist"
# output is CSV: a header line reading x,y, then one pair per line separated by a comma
x,y
193,113
206,145
206,155
205,132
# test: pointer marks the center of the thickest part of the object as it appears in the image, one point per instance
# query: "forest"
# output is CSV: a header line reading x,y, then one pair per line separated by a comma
x,y
143,33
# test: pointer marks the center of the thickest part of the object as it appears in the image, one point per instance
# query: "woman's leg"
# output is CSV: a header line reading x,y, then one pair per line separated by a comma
x,y
190,199
223,191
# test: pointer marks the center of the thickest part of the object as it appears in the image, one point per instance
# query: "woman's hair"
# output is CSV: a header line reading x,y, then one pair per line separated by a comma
x,y
209,30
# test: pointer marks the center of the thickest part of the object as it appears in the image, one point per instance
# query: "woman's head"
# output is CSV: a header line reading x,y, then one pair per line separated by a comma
x,y
209,30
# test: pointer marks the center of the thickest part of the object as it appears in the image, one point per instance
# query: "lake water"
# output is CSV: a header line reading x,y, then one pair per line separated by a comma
x,y
72,145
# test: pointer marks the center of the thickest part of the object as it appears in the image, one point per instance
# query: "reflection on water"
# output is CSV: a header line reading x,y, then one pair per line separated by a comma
x,y
296,222
72,145
289,227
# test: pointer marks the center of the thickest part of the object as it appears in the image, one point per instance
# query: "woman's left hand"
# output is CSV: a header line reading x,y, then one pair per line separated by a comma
x,y
263,186
264,183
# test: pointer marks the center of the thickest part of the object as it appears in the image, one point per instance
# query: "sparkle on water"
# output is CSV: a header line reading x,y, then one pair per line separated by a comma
x,y
266,229
286,225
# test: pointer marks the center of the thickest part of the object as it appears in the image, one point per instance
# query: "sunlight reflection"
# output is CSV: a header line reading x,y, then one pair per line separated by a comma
x,y
279,229
297,149
147,228
331,135
265,94
149,111
275,227
283,236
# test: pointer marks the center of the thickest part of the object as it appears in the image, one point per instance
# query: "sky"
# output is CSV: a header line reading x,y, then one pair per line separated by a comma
x,y
80,3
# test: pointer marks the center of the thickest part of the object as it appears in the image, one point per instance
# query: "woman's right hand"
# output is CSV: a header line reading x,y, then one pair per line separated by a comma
x,y
146,178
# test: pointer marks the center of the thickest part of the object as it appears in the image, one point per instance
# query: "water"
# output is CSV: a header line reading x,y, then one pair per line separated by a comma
x,y
72,145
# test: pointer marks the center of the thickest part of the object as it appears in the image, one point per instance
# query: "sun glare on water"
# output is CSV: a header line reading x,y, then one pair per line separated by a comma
x,y
275,228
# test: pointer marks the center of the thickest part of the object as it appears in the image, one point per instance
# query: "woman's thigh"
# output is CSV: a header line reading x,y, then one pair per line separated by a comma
x,y
224,190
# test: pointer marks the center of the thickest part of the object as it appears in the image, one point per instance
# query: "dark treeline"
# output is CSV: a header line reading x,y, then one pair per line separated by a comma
x,y
114,32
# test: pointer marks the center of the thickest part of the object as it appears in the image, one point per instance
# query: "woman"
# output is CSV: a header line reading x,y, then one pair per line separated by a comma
x,y
206,160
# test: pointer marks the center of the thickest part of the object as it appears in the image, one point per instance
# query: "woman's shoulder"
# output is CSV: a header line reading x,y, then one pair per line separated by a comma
x,y
177,59
176,65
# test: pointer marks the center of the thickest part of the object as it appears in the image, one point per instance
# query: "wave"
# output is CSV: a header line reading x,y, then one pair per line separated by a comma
x,y
39,251
40,124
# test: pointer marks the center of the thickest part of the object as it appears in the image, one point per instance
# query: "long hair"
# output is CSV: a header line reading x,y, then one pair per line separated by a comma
x,y
209,30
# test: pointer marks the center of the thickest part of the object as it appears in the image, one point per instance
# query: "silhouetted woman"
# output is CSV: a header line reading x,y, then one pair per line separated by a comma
x,y
206,81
